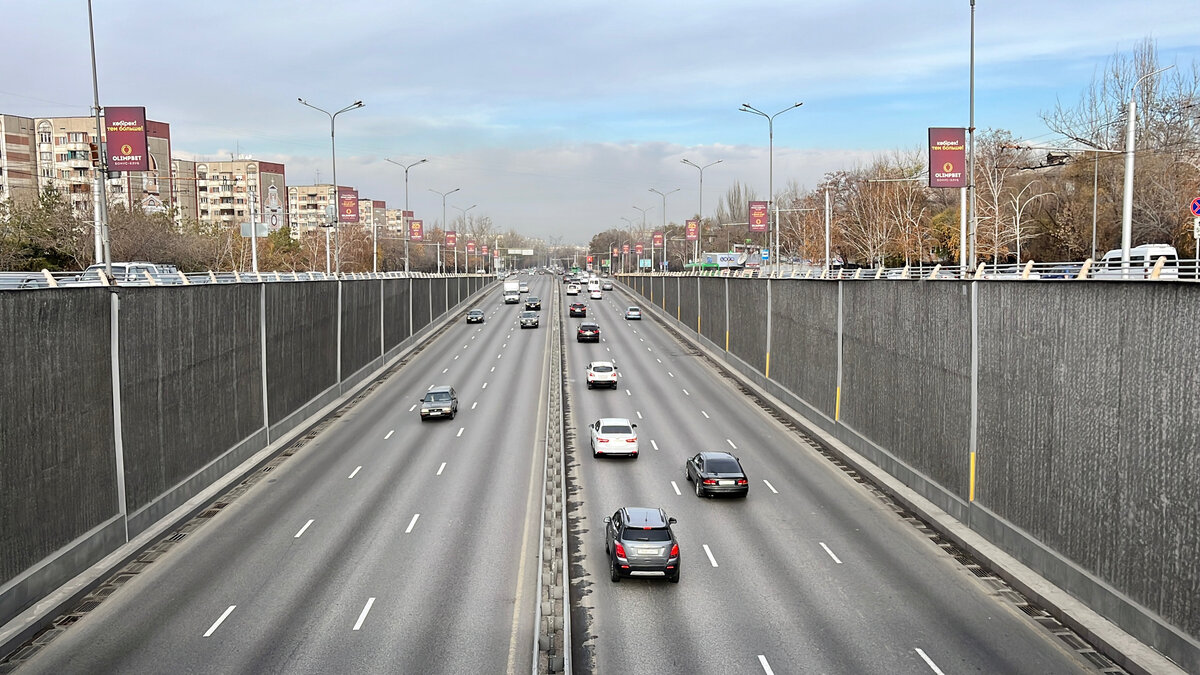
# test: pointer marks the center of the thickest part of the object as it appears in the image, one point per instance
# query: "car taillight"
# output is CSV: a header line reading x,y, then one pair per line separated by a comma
x,y
620,550
602,440
631,440
710,481
675,551
742,481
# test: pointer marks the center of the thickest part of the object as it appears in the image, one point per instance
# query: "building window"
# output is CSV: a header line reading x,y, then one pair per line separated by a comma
x,y
43,137
78,137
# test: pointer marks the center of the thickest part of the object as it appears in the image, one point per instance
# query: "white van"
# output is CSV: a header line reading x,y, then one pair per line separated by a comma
x,y
1141,263
593,285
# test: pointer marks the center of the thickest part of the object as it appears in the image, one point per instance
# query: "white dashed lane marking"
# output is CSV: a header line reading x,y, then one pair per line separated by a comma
x,y
411,523
354,472
301,532
389,434
831,555
363,616
212,629
770,487
708,552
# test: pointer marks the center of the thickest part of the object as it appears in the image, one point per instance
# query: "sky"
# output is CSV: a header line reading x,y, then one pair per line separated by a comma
x,y
555,119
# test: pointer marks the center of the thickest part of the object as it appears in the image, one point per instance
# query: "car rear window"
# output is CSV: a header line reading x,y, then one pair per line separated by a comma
x,y
601,369
615,429
722,466
652,534
439,396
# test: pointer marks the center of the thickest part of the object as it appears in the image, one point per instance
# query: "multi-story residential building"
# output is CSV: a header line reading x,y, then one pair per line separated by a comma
x,y
372,213
310,207
18,167
227,193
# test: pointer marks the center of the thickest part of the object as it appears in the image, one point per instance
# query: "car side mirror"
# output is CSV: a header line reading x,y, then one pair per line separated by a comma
x,y
633,425
614,367
671,521
607,519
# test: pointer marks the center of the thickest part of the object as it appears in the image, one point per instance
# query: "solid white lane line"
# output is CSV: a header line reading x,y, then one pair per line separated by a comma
x,y
411,523
705,415
227,612
363,617
484,385
653,445
474,404
414,407
460,430
711,559
443,466
676,488
627,393
444,370
310,522
354,472
928,661
639,413
762,661
770,487
389,434
731,444
685,392
831,555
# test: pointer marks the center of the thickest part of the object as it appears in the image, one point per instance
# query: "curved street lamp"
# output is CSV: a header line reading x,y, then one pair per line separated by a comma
x,y
746,107
443,194
700,212
404,218
664,227
337,247
466,262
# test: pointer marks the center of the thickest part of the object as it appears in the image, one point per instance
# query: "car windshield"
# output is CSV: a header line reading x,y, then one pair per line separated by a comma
x,y
615,429
601,369
650,534
439,396
722,466
633,310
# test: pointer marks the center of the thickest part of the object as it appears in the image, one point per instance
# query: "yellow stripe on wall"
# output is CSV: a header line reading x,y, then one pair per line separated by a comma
x,y
726,340
767,371
972,493
837,406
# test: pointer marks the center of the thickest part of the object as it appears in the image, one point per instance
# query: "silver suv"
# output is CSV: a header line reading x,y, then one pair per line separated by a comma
x,y
640,543
439,401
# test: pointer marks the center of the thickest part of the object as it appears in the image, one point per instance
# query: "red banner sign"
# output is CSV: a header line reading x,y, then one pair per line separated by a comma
x,y
947,157
416,230
452,239
485,250
758,216
125,133
624,249
347,205
691,230
589,260
615,251
470,247
639,248
656,240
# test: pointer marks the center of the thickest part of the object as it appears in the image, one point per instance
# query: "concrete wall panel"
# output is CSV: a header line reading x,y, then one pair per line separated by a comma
x,y
302,323
748,321
396,326
437,294
689,302
421,303
360,324
712,309
804,342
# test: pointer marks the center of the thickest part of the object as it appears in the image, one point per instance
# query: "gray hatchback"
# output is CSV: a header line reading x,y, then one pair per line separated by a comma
x,y
640,543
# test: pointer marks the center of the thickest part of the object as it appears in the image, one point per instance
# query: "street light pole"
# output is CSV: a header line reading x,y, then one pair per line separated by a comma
x,y
664,227
642,234
746,107
1127,202
700,213
466,263
337,253
103,250
444,225
404,218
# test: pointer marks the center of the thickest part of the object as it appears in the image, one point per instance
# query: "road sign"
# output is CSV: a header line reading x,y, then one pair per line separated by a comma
x,y
1196,227
1196,206
766,254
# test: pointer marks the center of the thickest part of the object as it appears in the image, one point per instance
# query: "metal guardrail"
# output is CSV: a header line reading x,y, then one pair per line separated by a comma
x,y
1161,269
47,279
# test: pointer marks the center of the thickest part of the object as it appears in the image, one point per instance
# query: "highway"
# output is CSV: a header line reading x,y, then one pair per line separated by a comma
x,y
810,573
386,544
390,545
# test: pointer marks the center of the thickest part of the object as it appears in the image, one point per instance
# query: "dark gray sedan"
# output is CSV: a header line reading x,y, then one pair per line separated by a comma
x,y
715,473
640,543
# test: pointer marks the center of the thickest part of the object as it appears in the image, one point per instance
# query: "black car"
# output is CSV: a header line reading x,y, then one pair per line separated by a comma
x,y
715,473
533,302
475,316
530,319
577,309
589,331
640,543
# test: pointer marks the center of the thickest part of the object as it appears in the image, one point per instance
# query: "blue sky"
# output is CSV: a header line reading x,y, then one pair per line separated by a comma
x,y
556,118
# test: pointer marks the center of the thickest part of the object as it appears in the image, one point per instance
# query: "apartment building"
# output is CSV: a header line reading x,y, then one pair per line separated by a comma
x,y
18,168
310,207
372,213
227,193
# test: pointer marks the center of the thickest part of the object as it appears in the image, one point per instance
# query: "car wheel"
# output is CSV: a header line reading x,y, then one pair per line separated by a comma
x,y
614,572
699,490
688,475
589,385
674,578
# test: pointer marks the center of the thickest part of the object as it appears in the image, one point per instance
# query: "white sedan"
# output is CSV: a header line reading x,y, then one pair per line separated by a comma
x,y
613,436
601,374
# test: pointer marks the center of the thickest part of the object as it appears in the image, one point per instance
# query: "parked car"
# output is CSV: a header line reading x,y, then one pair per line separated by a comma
x,y
533,302
440,401
613,436
475,316
601,374
529,319
639,542
633,314
577,309
589,331
715,473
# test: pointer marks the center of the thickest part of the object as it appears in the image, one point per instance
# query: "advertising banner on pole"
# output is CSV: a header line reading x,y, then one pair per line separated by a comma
x,y
615,251
656,240
691,230
347,204
624,249
640,248
125,133
452,239
484,251
758,216
416,230
470,247
947,157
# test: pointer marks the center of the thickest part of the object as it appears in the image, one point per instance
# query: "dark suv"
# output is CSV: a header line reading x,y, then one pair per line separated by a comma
x,y
640,543
439,401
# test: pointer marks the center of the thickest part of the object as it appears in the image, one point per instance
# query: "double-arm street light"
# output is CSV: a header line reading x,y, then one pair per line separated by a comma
x,y
643,232
443,195
403,217
664,227
337,254
466,263
746,107
700,212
